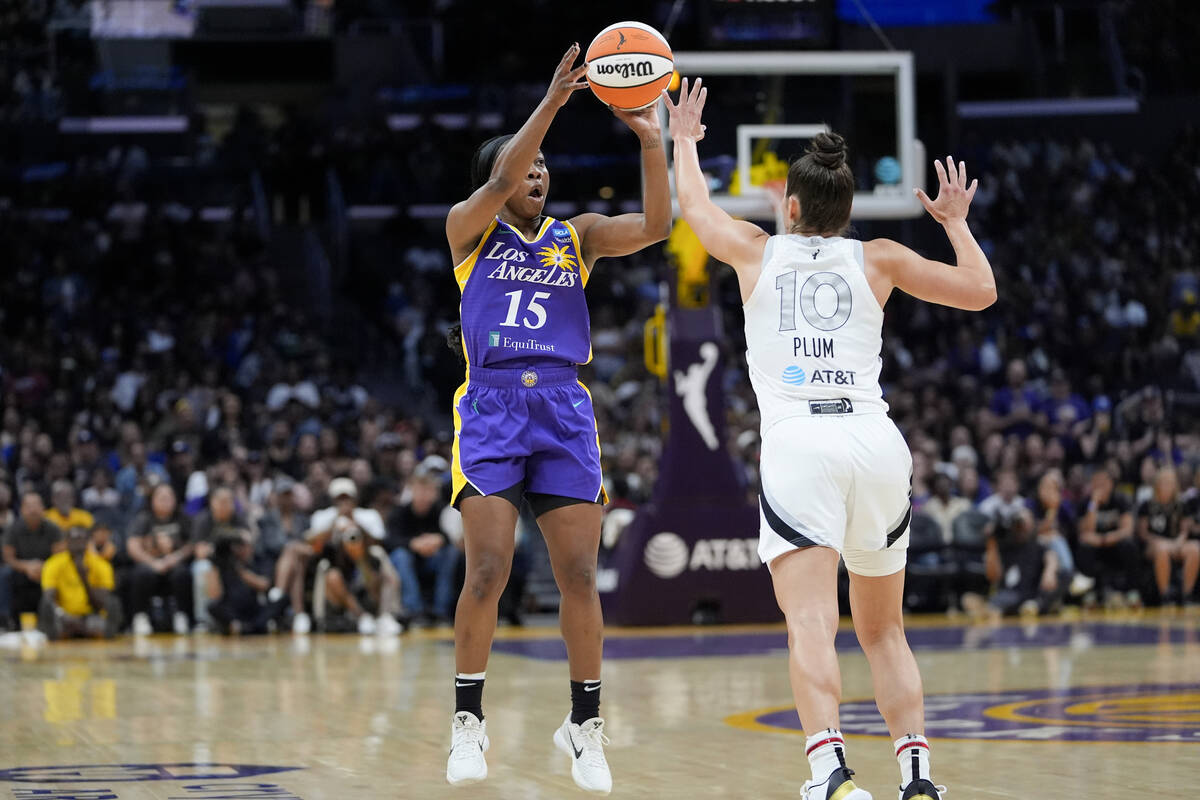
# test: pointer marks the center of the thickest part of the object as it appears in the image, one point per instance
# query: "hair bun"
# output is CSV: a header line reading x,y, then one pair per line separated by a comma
x,y
828,150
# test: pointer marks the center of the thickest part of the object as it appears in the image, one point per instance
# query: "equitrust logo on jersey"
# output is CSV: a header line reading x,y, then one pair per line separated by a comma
x,y
493,338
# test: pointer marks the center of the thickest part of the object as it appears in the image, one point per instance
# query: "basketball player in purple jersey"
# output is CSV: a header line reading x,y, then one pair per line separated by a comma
x,y
835,471
524,425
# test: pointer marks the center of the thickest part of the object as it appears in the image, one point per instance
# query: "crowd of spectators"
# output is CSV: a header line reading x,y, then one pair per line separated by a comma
x,y
166,394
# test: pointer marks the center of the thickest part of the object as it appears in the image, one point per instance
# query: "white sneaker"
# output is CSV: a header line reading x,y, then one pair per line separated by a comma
x,y
180,623
838,785
141,624
366,625
301,623
387,625
585,745
468,743
1081,584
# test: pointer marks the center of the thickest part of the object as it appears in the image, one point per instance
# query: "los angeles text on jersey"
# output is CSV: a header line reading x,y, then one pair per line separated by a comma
x,y
510,269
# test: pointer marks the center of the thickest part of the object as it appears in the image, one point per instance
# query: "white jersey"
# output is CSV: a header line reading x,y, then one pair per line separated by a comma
x,y
813,329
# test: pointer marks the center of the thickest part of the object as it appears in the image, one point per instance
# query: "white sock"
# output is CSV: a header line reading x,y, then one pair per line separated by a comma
x,y
912,751
826,751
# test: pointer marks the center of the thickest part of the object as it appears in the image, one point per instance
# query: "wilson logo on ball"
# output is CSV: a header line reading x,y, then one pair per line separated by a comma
x,y
629,64
627,69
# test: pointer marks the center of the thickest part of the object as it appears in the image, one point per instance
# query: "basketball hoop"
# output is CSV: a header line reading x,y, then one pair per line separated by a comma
x,y
776,189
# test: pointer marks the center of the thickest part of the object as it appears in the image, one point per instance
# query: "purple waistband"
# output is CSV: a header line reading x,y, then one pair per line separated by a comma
x,y
523,378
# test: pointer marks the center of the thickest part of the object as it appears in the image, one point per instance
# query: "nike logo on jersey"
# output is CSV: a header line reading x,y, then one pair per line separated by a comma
x,y
816,253
576,405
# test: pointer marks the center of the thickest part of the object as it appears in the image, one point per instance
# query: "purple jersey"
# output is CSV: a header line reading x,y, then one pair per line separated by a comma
x,y
523,300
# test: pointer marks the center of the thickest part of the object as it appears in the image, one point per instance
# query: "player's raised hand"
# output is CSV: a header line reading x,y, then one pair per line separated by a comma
x,y
643,122
685,115
954,195
567,80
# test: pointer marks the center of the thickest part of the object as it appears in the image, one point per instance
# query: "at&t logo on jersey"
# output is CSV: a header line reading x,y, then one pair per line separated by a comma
x,y
794,376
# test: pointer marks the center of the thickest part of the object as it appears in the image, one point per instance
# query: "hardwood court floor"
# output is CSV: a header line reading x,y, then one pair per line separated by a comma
x,y
1107,707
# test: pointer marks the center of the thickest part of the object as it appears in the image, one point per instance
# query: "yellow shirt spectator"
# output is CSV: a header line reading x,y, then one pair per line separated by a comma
x,y
59,574
78,518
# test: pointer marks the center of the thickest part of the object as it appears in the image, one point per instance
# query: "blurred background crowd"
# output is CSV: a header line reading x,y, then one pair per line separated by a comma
x,y
225,384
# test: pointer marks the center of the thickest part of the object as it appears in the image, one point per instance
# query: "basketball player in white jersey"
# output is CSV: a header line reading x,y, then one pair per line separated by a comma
x,y
835,470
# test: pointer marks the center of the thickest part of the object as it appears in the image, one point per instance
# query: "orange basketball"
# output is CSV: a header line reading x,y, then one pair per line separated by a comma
x,y
629,64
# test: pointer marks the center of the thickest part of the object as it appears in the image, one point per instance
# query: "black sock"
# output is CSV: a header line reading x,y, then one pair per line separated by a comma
x,y
468,694
585,701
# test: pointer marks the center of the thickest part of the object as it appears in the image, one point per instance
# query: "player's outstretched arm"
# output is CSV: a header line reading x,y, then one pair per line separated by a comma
x,y
469,219
607,237
738,243
971,285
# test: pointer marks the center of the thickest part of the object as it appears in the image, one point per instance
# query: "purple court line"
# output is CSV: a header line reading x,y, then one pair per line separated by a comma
x,y
707,645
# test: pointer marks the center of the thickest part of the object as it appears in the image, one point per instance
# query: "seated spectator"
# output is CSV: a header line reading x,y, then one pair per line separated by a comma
x,y
1160,528
281,523
420,547
77,592
100,497
944,506
160,545
1005,508
1023,572
234,590
359,581
362,582
63,511
1055,523
219,520
102,542
138,478
28,543
285,523
1107,550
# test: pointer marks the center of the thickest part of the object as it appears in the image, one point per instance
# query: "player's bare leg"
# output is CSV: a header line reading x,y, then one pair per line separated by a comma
x,y
489,528
573,538
877,604
806,589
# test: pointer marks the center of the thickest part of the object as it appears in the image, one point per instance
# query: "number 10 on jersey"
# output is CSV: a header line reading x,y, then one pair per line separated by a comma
x,y
839,311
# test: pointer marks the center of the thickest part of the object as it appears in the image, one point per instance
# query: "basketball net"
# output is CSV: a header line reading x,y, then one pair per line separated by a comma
x,y
776,188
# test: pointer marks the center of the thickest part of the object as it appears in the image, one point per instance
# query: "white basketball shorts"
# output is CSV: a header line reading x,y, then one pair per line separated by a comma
x,y
841,481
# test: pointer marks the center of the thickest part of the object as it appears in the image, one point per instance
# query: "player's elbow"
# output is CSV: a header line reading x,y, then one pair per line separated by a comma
x,y
657,231
982,298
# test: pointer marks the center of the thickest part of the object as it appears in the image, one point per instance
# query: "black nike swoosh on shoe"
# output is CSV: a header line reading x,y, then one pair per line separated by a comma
x,y
571,739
